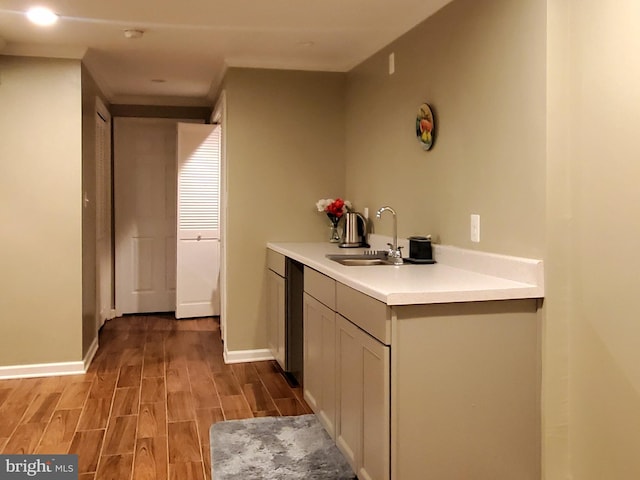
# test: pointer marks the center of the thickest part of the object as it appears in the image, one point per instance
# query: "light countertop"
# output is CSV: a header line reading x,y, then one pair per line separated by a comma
x,y
458,276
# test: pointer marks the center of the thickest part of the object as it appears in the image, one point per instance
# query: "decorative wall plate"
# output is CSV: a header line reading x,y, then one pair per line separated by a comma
x,y
425,126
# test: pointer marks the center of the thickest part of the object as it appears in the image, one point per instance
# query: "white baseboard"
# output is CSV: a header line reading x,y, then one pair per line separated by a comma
x,y
90,354
241,356
50,369
42,370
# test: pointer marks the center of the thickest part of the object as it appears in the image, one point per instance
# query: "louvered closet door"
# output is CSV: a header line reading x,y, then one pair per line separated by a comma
x,y
103,218
198,236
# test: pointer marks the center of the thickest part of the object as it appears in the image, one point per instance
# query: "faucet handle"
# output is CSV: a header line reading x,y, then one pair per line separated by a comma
x,y
394,253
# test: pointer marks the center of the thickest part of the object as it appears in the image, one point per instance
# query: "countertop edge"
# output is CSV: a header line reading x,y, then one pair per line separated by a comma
x,y
474,283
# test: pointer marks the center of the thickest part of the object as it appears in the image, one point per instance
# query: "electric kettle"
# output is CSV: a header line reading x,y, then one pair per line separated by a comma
x,y
355,231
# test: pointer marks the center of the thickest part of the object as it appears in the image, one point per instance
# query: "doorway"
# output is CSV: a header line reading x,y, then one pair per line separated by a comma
x,y
146,205
145,214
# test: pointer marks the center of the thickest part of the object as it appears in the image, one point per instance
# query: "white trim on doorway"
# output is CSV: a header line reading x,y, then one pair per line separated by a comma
x,y
93,349
219,116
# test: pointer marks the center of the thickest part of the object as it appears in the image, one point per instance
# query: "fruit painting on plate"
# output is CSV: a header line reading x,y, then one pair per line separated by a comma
x,y
425,126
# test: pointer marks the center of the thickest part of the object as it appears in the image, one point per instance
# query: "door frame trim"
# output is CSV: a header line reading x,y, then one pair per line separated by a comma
x,y
219,116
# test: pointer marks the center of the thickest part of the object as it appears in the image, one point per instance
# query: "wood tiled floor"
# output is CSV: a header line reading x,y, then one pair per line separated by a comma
x,y
144,408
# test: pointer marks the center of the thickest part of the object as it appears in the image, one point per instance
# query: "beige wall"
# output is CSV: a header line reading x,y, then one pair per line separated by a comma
x,y
566,190
537,109
481,66
285,151
604,375
40,211
555,176
558,303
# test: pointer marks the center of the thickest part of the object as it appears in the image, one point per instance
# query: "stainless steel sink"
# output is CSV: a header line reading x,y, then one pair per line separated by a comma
x,y
360,260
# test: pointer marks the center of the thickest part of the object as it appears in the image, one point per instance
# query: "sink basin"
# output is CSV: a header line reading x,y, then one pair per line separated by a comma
x,y
360,260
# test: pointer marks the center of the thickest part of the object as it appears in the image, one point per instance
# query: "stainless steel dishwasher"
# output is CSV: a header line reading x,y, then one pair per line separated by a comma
x,y
294,279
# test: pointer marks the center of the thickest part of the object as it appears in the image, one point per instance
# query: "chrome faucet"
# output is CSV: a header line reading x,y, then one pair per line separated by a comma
x,y
394,254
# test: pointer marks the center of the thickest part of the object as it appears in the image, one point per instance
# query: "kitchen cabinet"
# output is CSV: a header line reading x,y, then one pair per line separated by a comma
x,y
463,379
319,355
276,306
437,368
320,361
466,391
363,378
346,371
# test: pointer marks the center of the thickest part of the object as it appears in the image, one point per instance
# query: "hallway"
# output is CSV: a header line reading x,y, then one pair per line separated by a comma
x,y
144,408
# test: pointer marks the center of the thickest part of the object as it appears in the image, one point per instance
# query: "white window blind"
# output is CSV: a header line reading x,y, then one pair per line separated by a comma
x,y
199,186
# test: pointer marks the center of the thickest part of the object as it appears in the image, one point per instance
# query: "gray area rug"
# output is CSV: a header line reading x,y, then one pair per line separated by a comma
x,y
275,448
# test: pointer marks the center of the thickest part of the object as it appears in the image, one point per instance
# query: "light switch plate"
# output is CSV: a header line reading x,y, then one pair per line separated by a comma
x,y
475,228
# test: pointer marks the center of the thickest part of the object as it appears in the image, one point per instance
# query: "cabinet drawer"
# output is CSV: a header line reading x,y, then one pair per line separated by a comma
x,y
320,287
371,315
275,262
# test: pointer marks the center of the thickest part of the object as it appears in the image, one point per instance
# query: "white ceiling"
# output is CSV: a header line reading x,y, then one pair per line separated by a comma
x,y
188,43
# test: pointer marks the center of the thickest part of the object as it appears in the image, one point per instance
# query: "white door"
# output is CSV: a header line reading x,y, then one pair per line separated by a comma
x,y
145,214
104,273
198,231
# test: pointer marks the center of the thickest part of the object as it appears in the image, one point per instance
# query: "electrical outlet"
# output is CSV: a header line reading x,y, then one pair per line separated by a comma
x,y
475,228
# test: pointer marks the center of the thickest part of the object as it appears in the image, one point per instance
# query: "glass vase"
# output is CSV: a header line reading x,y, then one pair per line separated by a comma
x,y
334,236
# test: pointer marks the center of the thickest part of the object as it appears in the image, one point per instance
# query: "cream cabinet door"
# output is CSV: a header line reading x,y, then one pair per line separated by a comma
x,y
349,390
276,315
375,453
363,384
319,361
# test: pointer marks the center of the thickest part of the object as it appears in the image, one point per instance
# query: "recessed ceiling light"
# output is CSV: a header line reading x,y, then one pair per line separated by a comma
x,y
42,16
